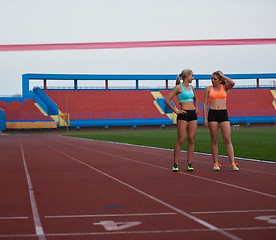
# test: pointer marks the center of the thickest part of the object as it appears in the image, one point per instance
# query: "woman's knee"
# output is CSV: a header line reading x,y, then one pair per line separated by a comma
x,y
227,141
214,140
180,141
191,140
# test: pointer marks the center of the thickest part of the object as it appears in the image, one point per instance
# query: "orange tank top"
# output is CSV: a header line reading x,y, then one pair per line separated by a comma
x,y
221,94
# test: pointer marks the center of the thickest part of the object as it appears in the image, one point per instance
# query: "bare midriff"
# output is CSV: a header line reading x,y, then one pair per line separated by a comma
x,y
217,104
187,105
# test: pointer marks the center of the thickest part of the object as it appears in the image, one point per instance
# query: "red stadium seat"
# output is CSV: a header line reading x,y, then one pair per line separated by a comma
x,y
27,111
111,104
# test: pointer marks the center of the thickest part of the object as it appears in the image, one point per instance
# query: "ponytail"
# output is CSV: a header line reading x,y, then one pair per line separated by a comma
x,y
183,74
177,80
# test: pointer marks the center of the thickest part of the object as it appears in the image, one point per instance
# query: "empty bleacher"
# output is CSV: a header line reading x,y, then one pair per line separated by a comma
x,y
253,102
23,111
106,104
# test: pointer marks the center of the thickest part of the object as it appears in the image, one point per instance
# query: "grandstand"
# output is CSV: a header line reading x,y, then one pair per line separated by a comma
x,y
108,107
42,107
25,114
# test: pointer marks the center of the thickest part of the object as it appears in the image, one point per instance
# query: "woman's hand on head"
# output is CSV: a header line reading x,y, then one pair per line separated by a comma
x,y
220,73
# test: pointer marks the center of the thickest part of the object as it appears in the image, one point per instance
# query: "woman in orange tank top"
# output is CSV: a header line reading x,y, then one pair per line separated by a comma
x,y
216,96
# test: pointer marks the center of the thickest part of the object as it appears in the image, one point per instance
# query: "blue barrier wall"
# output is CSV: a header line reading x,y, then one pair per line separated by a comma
x,y
15,99
52,108
163,105
40,102
120,122
2,120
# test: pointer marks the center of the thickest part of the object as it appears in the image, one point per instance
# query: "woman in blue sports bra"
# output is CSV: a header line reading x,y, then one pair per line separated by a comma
x,y
186,116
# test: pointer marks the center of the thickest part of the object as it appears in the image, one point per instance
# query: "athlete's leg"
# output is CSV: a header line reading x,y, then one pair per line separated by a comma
x,y
213,128
181,133
226,134
192,126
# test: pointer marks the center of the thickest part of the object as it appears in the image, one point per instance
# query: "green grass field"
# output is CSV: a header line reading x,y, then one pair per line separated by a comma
x,y
248,142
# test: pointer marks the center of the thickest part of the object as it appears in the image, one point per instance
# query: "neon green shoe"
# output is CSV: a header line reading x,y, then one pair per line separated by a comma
x,y
189,168
175,167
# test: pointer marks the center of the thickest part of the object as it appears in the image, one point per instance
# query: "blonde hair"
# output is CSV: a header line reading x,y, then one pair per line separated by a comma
x,y
222,81
183,74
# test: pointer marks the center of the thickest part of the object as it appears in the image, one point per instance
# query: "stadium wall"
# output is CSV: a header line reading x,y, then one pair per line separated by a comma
x,y
2,120
31,125
120,122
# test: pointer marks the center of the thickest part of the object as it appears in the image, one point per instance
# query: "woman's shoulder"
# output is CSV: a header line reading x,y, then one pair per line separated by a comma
x,y
208,88
177,89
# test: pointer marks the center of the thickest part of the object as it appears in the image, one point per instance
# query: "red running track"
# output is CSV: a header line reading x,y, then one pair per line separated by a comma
x,y
60,188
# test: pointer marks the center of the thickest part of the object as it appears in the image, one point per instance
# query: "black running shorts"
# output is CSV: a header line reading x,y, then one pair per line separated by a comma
x,y
189,116
217,115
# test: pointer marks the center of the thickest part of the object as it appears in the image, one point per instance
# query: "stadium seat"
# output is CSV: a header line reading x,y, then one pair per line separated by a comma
x,y
23,111
109,104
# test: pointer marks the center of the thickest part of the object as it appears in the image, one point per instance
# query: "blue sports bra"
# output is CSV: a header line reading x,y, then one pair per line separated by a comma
x,y
186,96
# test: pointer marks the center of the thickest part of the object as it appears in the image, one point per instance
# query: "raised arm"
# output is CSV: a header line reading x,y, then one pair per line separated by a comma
x,y
230,83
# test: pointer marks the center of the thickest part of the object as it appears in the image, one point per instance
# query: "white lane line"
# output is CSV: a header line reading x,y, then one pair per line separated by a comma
x,y
112,215
38,227
16,235
191,175
207,225
235,211
139,232
12,218
249,228
168,149
231,185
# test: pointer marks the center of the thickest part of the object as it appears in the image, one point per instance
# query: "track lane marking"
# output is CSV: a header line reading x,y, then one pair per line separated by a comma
x,y
207,225
235,211
192,175
38,227
12,218
111,215
167,149
139,232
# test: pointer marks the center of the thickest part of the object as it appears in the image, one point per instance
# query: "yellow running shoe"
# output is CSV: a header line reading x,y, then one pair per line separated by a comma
x,y
175,167
189,167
